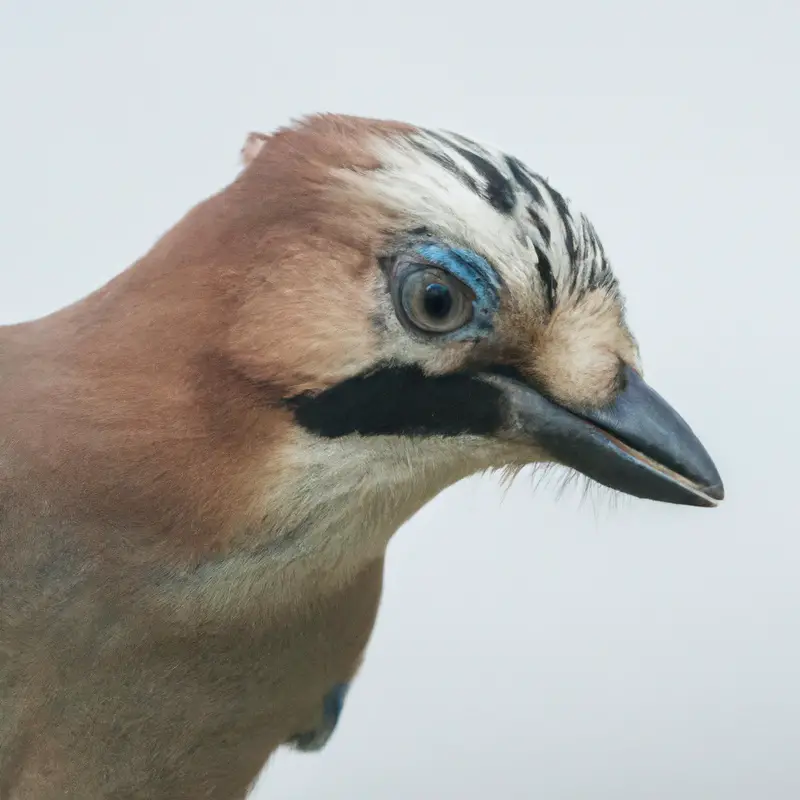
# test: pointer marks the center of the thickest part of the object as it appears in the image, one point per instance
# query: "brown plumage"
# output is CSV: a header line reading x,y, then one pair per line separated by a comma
x,y
186,569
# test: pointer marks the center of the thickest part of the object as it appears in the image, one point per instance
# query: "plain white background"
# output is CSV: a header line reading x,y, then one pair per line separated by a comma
x,y
529,644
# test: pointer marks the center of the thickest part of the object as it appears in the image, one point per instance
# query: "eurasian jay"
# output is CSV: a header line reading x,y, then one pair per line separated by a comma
x,y
202,462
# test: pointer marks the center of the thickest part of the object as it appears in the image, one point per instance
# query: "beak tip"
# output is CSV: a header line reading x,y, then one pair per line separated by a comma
x,y
707,479
716,492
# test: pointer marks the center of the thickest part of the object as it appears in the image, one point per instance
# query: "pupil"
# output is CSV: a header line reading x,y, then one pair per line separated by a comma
x,y
438,300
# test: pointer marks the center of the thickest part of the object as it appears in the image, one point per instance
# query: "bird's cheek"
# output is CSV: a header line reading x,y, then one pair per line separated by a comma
x,y
306,342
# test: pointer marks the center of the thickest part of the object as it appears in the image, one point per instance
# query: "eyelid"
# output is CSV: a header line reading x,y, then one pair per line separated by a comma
x,y
466,265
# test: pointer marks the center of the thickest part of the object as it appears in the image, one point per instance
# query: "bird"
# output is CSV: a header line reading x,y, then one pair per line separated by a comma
x,y
203,461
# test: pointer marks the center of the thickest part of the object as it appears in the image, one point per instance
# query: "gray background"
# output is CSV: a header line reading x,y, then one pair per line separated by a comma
x,y
529,644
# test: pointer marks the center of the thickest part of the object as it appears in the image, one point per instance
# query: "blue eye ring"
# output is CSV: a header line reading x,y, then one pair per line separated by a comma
x,y
445,293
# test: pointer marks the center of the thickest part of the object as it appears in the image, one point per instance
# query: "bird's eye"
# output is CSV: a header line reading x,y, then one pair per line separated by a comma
x,y
436,302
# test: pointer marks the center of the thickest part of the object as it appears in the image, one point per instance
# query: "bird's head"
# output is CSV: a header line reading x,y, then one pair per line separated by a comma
x,y
368,313
424,307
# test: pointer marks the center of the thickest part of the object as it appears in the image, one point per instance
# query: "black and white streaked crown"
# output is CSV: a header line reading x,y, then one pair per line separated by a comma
x,y
493,202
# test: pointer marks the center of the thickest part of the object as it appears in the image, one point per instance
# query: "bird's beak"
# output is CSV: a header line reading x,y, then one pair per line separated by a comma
x,y
638,445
